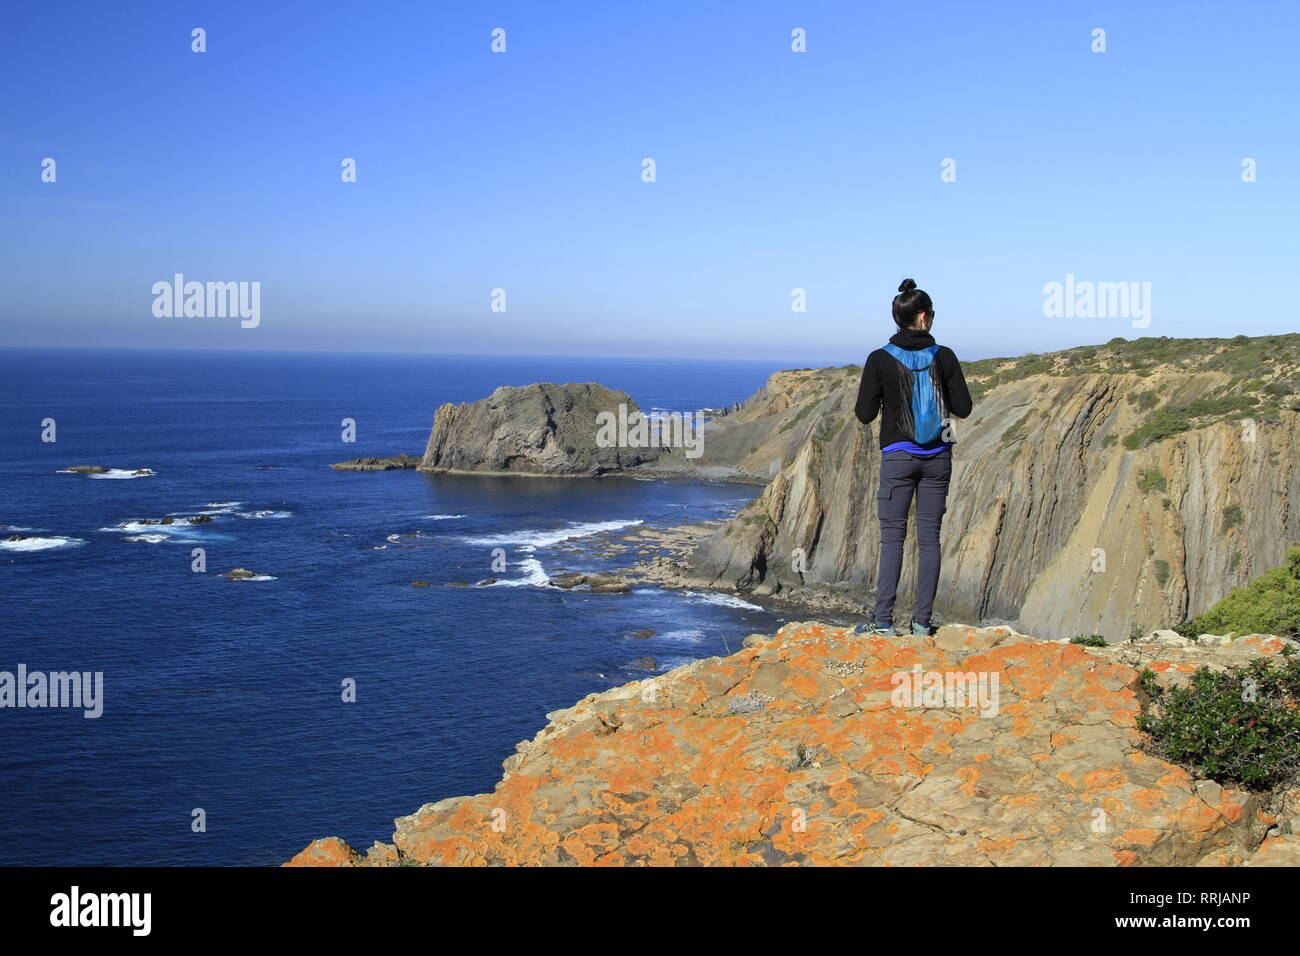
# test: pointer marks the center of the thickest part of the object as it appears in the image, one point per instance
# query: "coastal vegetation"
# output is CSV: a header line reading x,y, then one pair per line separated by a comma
x,y
1150,479
1268,605
1089,640
1263,378
1240,725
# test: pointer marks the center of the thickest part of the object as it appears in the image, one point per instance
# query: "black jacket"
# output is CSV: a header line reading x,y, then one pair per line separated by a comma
x,y
882,383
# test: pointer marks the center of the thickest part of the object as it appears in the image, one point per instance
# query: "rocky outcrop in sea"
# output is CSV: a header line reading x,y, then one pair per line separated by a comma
x,y
393,463
540,429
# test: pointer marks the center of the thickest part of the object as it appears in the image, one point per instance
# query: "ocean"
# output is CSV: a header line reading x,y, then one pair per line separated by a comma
x,y
225,738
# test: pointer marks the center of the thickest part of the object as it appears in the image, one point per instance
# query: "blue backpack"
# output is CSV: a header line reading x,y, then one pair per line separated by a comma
x,y
924,414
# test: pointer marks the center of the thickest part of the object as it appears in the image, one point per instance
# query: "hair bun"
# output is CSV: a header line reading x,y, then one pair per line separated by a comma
x,y
907,285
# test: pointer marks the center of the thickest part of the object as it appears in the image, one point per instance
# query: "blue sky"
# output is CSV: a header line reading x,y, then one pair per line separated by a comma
x,y
775,170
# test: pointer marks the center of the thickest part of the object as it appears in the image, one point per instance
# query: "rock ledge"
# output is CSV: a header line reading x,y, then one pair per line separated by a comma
x,y
797,751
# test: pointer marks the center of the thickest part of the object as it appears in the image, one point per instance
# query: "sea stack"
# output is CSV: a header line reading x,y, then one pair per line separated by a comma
x,y
541,429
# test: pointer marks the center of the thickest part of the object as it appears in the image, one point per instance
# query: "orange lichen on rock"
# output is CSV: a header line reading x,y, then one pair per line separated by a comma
x,y
330,851
974,746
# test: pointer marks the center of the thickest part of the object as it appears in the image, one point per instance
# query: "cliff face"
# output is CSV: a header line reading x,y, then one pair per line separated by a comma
x,y
799,749
1052,522
534,430
1094,490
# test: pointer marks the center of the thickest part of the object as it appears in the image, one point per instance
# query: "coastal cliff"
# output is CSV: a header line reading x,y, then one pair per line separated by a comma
x,y
1100,489
799,750
1069,512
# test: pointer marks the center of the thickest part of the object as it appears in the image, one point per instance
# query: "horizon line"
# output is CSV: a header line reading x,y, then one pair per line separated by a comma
x,y
553,355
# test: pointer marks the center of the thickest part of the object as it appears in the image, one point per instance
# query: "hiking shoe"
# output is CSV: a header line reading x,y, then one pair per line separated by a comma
x,y
876,630
921,630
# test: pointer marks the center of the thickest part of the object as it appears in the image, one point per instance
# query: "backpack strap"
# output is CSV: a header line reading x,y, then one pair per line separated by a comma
x,y
908,357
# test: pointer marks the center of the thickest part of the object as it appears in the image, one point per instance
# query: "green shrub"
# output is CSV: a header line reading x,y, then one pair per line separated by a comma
x,y
1240,726
1145,401
1172,420
1150,479
1013,431
1032,365
1162,571
1162,424
1243,357
1089,640
1231,518
827,430
798,417
1268,605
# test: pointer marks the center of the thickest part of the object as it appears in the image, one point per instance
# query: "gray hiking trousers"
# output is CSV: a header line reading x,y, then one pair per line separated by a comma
x,y
902,475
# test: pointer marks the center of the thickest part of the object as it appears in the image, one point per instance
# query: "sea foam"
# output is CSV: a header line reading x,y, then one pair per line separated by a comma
x,y
41,544
531,539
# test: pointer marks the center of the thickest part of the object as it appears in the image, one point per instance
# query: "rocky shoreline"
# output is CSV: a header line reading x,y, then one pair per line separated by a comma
x,y
663,560
1057,466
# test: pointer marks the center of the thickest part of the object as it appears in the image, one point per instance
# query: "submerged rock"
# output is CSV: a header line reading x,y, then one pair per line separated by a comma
x,y
595,583
607,584
395,463
240,574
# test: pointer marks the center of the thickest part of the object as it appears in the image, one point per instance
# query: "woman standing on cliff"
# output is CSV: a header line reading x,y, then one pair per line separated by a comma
x,y
920,385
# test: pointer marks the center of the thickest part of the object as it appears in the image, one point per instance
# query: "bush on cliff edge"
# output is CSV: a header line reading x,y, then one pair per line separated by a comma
x,y
1268,605
1237,726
